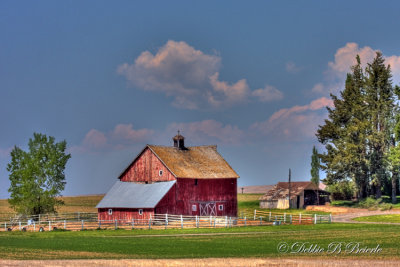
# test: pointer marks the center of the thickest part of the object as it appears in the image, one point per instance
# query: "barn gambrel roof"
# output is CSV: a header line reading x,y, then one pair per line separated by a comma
x,y
199,162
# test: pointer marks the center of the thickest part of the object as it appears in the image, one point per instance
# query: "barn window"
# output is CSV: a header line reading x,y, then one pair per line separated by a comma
x,y
160,172
194,207
140,211
195,181
109,211
220,207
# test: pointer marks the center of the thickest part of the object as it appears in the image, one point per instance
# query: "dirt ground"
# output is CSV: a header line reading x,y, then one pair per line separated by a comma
x,y
206,262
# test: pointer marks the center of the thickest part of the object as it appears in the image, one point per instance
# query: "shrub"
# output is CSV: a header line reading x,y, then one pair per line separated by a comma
x,y
341,191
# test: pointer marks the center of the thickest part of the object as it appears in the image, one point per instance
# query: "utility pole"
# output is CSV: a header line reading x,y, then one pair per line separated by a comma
x,y
290,176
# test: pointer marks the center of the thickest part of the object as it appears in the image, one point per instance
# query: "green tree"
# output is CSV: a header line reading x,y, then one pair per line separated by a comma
x,y
315,163
315,167
344,134
380,99
37,176
359,134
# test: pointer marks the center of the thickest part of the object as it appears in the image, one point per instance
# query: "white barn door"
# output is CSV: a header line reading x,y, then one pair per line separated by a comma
x,y
208,208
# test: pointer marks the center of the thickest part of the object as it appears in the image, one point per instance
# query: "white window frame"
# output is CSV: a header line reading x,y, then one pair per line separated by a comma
x,y
160,172
220,207
110,211
140,211
194,207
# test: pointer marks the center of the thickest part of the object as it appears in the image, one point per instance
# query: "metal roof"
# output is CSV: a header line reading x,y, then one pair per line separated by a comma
x,y
133,195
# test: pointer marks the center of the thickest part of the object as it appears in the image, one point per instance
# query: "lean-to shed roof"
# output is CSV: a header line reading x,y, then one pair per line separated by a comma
x,y
133,195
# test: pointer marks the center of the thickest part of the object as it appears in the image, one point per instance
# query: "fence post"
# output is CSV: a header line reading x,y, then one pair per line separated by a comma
x,y
214,221
210,220
49,225
115,224
82,224
19,223
290,218
5,226
315,218
255,214
39,218
245,223
166,219
34,226
269,219
300,218
260,220
197,222
133,223
284,217
99,224
150,222
181,222
330,218
65,224
226,221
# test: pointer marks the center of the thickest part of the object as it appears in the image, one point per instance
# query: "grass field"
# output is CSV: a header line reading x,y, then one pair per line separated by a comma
x,y
392,218
256,241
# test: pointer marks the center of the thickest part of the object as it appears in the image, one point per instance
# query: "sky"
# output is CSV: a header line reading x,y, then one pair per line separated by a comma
x,y
109,77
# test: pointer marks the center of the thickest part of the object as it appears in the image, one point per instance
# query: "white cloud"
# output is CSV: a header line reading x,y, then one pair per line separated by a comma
x,y
345,57
120,137
268,93
294,123
189,76
291,67
207,131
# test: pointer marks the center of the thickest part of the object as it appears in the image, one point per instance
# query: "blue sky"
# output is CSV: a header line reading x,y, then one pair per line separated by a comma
x,y
109,77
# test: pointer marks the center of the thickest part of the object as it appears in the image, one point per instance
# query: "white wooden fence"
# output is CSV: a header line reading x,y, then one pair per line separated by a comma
x,y
76,222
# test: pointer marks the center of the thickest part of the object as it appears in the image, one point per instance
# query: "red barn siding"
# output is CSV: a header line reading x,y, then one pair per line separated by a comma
x,y
168,203
146,169
185,193
124,214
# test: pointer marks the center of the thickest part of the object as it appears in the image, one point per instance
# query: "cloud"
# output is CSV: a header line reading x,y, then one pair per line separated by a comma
x,y
207,131
267,94
233,93
126,133
120,137
185,74
345,57
296,122
318,88
291,67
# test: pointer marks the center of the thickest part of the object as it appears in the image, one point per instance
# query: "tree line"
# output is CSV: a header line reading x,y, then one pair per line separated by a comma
x,y
362,133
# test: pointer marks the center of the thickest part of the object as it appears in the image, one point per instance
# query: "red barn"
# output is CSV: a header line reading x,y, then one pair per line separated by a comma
x,y
175,180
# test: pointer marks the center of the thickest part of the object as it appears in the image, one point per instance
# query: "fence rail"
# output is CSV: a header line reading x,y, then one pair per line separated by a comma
x,y
159,221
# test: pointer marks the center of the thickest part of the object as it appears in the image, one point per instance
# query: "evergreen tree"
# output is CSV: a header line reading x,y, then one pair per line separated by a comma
x,y
359,134
315,167
37,176
344,134
315,170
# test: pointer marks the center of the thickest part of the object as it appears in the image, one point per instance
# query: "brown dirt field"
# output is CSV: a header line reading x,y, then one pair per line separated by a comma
x,y
249,262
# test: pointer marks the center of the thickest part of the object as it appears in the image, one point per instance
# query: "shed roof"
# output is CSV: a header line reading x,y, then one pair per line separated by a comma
x,y
200,162
133,195
281,190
